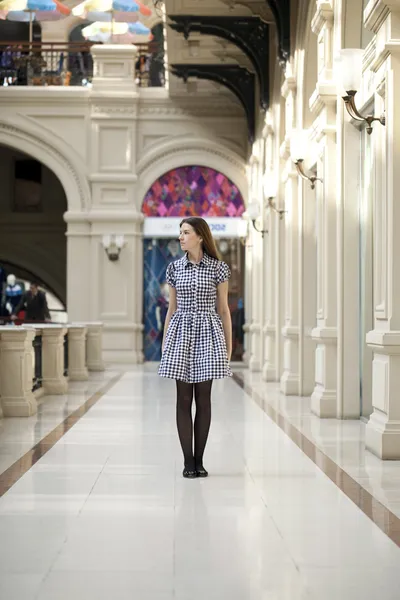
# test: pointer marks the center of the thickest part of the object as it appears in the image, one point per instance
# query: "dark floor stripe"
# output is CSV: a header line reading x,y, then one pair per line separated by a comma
x,y
22,465
387,522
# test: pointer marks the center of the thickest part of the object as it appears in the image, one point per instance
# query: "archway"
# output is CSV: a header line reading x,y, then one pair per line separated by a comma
x,y
191,190
32,205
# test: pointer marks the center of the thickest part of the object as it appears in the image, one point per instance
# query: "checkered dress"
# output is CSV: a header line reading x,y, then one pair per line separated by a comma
x,y
195,348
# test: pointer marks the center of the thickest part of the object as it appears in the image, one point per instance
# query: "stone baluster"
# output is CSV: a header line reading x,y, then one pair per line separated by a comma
x,y
77,369
54,381
16,371
94,347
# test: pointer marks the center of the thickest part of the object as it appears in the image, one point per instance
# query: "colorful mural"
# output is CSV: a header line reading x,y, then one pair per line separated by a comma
x,y
193,191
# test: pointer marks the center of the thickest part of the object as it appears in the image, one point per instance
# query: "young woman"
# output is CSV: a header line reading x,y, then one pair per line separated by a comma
x,y
197,342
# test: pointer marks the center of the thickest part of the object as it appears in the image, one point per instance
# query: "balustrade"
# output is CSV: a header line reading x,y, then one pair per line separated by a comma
x,y
66,64
40,359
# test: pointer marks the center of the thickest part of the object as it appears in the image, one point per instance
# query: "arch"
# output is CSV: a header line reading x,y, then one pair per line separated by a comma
x,y
50,150
35,261
193,191
185,150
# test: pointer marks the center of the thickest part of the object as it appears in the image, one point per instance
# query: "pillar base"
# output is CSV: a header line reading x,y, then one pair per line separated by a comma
x,y
81,375
269,372
26,406
55,388
290,384
383,428
383,438
254,365
323,402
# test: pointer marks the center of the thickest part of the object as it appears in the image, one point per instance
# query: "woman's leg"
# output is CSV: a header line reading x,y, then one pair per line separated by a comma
x,y
202,394
184,421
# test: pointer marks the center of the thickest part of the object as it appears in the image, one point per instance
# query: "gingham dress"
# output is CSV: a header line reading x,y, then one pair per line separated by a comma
x,y
195,348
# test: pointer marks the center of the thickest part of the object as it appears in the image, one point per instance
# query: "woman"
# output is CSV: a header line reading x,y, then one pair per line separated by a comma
x,y
197,342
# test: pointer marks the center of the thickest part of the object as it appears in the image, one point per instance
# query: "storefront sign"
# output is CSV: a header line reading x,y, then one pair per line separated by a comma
x,y
168,227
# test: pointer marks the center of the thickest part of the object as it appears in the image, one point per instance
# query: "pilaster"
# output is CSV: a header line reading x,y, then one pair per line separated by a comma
x,y
383,429
290,331
115,286
323,106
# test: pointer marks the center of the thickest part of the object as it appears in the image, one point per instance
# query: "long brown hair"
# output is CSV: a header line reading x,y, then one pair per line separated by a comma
x,y
203,230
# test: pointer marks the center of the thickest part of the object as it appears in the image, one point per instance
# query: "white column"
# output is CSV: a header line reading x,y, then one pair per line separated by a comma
x,y
323,106
77,369
16,372
383,429
54,381
94,347
290,330
269,271
257,242
116,296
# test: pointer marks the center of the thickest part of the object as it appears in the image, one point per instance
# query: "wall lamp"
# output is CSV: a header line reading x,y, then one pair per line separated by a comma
x,y
350,68
253,214
299,145
253,209
113,245
270,192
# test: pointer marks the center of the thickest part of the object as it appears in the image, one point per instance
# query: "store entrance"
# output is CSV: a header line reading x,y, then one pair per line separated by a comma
x,y
157,254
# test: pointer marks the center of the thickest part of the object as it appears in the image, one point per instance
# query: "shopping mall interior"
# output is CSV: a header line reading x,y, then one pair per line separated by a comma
x,y
275,121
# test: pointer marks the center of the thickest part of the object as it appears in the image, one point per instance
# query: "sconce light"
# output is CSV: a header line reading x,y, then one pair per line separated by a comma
x,y
253,213
113,245
350,69
299,145
270,192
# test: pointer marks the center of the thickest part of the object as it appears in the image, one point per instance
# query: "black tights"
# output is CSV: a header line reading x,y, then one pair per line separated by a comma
x,y
184,421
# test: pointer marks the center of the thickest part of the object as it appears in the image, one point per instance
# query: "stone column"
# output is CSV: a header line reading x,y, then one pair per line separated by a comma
x,y
256,343
323,106
115,285
383,429
290,331
54,381
77,369
271,330
16,372
94,347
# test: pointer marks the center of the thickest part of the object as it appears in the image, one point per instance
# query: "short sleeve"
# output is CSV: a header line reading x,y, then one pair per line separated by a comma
x,y
223,272
170,275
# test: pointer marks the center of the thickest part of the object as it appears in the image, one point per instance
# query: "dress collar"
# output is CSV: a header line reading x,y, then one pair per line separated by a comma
x,y
204,261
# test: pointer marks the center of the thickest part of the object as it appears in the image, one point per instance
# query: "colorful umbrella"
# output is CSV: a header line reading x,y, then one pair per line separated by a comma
x,y
119,11
124,33
33,10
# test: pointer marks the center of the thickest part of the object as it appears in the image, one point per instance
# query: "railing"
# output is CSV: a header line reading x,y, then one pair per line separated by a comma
x,y
37,371
60,64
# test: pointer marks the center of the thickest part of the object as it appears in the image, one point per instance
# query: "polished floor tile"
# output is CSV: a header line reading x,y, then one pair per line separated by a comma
x,y
106,512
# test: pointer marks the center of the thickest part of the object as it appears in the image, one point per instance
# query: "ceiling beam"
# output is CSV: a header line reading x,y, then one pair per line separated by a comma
x,y
250,34
237,79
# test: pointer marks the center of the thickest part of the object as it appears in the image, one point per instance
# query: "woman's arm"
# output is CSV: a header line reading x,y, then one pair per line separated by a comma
x,y
225,314
171,310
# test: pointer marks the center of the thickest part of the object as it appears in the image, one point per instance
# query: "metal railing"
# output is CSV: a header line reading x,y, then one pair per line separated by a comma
x,y
71,64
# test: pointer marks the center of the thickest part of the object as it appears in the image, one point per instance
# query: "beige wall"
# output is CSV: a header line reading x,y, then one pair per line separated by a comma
x,y
35,242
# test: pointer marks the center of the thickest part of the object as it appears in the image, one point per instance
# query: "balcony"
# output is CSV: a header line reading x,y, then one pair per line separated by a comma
x,y
68,64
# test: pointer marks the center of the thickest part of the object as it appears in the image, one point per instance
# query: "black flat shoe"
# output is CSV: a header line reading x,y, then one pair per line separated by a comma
x,y
201,472
188,474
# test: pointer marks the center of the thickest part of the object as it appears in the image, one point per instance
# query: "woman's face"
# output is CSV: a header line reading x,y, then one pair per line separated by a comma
x,y
190,241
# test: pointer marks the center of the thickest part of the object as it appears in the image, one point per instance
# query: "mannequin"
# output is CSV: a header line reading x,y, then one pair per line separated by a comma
x,y
162,309
13,294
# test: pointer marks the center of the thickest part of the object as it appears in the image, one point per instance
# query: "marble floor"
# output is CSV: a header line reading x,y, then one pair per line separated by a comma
x,y
105,512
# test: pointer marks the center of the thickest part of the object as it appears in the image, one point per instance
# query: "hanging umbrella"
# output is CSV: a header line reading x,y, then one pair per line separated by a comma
x,y
33,10
123,33
119,11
